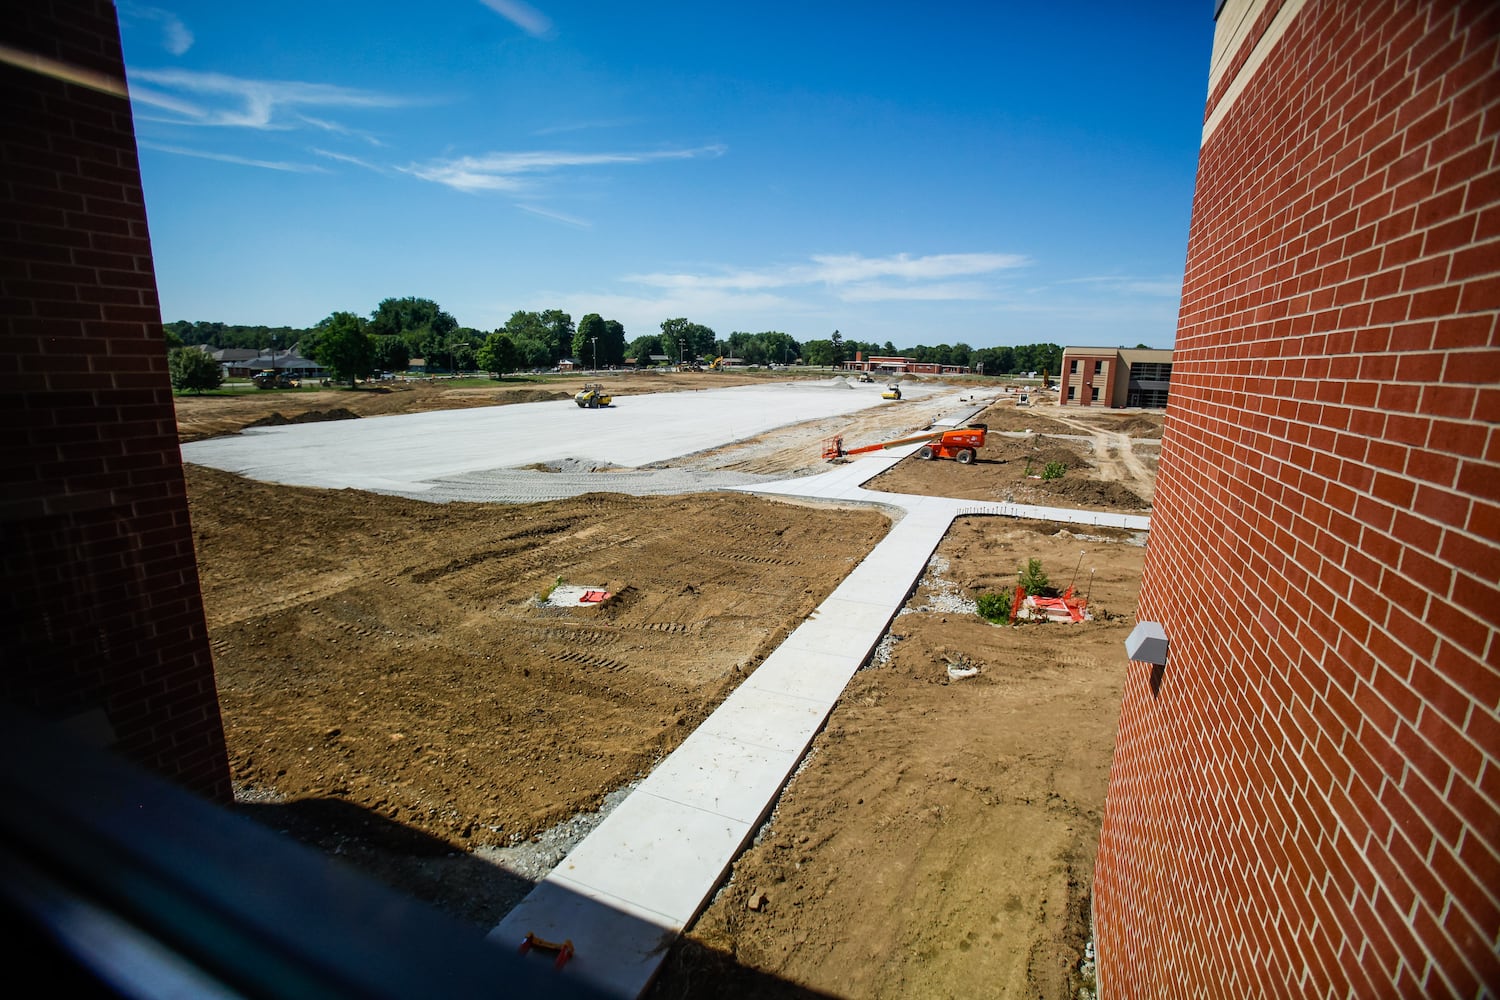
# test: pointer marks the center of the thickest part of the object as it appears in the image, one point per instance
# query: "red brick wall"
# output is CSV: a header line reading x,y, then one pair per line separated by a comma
x,y
103,618
1305,801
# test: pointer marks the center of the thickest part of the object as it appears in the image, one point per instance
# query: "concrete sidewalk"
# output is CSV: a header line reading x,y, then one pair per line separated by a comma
x,y
625,893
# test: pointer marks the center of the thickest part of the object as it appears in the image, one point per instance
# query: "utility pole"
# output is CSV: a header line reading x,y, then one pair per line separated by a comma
x,y
595,342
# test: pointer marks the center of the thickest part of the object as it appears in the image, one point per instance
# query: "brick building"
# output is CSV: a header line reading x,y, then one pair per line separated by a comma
x,y
897,365
1305,796
1098,376
103,619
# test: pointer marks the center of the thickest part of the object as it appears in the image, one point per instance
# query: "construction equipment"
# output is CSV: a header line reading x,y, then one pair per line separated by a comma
x,y
592,396
960,444
272,379
865,377
892,391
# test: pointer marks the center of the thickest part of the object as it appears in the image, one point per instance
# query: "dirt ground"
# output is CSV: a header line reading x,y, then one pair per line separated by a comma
x,y
395,693
939,841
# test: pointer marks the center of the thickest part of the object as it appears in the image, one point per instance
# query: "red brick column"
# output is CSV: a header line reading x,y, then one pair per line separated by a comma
x,y
1305,800
103,620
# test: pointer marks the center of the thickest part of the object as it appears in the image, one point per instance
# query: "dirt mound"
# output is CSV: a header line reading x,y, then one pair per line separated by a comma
x,y
1139,426
1049,453
1075,491
529,396
276,419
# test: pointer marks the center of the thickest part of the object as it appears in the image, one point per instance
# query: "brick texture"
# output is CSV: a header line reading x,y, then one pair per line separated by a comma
x,y
1305,801
103,618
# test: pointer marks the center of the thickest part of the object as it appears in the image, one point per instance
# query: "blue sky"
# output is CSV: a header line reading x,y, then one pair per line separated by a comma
x,y
991,173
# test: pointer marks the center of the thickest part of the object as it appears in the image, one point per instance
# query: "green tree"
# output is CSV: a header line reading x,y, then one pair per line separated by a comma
x,y
344,347
586,339
172,338
681,339
837,343
560,328
641,348
1033,579
612,344
818,353
190,368
497,355
394,317
391,354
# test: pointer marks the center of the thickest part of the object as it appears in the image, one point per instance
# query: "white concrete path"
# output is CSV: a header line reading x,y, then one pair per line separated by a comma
x,y
624,894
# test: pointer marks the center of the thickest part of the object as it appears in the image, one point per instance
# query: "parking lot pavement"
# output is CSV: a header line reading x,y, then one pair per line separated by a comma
x,y
408,453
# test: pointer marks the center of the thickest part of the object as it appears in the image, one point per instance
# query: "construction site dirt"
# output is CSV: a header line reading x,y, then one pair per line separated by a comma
x,y
396,693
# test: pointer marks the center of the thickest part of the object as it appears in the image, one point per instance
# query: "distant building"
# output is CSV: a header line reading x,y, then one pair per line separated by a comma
x,y
1098,376
896,365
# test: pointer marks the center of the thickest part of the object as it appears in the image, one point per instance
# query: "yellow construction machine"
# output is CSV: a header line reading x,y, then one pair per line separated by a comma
x,y
592,396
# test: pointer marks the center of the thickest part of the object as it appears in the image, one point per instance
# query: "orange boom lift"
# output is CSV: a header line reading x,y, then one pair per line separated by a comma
x,y
960,445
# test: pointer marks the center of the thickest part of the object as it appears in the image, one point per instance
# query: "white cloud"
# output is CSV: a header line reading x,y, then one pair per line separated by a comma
x,y
346,158
847,268
943,291
508,171
523,16
220,99
176,38
1164,287
556,216
852,276
297,168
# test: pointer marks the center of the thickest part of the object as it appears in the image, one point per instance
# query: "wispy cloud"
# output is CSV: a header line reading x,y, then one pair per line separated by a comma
x,y
556,216
522,15
584,126
296,168
223,100
510,171
1121,284
356,161
857,278
176,38
338,129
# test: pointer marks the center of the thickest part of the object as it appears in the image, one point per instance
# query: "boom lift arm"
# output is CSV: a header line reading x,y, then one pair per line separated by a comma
x,y
960,444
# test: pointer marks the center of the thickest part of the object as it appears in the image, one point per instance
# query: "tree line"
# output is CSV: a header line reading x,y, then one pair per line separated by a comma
x,y
400,329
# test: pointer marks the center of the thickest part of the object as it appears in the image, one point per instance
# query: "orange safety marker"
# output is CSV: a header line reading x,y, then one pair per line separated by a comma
x,y
564,950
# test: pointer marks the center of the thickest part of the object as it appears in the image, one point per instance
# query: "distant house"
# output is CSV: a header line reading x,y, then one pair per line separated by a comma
x,y
244,362
417,365
1099,376
569,365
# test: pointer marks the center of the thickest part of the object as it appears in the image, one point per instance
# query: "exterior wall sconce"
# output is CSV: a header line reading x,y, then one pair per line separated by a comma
x,y
1147,643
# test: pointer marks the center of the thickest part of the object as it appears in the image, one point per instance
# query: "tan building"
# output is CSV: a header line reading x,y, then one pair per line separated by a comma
x,y
1101,376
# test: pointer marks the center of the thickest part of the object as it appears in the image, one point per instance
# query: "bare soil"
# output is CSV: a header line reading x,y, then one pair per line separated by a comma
x,y
939,841
395,693
1106,471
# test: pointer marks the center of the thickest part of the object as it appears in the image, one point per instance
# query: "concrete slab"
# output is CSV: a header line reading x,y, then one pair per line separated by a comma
x,y
427,447
723,775
659,856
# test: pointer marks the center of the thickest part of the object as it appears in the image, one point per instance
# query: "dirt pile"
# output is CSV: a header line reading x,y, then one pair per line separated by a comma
x,y
276,419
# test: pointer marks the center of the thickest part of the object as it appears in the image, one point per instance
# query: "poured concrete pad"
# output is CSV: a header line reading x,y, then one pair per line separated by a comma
x,y
409,453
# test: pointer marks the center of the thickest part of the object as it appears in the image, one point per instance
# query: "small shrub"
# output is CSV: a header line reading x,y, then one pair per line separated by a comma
x,y
995,607
1033,578
1054,470
547,591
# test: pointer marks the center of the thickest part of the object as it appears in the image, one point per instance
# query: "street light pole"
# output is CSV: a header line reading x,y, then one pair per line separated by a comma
x,y
595,342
